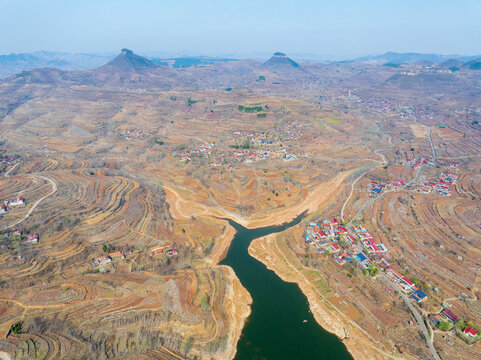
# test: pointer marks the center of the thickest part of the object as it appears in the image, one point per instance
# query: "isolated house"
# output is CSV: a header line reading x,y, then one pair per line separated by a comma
x,y
102,260
117,254
16,202
470,331
32,238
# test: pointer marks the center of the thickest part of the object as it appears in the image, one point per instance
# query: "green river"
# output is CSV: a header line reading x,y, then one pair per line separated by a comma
x,y
276,328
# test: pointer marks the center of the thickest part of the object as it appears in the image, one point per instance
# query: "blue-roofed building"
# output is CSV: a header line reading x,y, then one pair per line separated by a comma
x,y
361,257
419,296
362,260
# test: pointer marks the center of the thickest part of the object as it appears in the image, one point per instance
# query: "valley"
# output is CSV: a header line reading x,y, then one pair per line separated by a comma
x,y
130,173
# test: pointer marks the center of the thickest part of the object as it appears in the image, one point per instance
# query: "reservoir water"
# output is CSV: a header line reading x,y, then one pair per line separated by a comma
x,y
276,329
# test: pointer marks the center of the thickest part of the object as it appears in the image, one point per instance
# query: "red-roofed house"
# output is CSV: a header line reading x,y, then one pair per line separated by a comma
x,y
3,209
470,331
117,254
407,284
334,248
16,202
449,314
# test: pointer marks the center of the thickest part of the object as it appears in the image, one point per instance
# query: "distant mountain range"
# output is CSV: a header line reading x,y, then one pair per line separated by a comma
x,y
16,63
408,58
128,62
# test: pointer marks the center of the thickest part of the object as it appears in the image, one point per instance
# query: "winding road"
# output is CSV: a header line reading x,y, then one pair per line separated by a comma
x,y
54,189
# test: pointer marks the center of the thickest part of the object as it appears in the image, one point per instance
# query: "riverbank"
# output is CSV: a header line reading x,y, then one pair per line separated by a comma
x,y
288,268
238,306
182,208
239,303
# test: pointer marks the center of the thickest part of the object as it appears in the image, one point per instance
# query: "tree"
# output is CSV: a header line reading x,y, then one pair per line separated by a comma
x,y
444,325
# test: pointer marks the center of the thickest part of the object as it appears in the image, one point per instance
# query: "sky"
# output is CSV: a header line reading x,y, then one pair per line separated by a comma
x,y
310,28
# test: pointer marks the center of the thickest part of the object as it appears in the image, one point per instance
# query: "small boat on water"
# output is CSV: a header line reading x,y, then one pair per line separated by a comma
x,y
304,321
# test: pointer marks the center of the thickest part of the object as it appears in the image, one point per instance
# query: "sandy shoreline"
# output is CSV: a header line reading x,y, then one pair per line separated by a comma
x,y
182,208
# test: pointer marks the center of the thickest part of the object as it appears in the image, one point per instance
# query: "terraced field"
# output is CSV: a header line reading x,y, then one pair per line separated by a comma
x,y
55,279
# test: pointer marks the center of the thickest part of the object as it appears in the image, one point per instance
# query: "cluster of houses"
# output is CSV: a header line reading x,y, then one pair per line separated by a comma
x,y
414,163
195,150
270,138
450,165
376,188
29,238
11,203
469,332
325,236
442,184
366,240
9,160
166,249
105,259
133,134
404,283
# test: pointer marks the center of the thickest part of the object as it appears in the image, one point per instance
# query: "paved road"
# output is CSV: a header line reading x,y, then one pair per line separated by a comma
x,y
416,314
431,142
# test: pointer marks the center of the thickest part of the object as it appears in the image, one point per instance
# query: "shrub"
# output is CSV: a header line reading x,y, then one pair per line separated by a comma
x,y
16,328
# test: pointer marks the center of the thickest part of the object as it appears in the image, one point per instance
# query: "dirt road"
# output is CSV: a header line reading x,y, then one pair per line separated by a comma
x,y
54,189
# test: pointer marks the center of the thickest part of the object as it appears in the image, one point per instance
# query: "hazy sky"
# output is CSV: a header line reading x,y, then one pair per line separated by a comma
x,y
337,28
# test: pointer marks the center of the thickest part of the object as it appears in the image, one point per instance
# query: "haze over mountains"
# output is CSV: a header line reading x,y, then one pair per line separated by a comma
x,y
16,63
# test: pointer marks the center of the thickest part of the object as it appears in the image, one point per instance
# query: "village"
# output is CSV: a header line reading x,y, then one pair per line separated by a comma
x,y
133,134
333,239
245,147
443,182
441,185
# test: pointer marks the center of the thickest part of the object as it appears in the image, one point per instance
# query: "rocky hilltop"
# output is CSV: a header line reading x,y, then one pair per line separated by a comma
x,y
279,59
